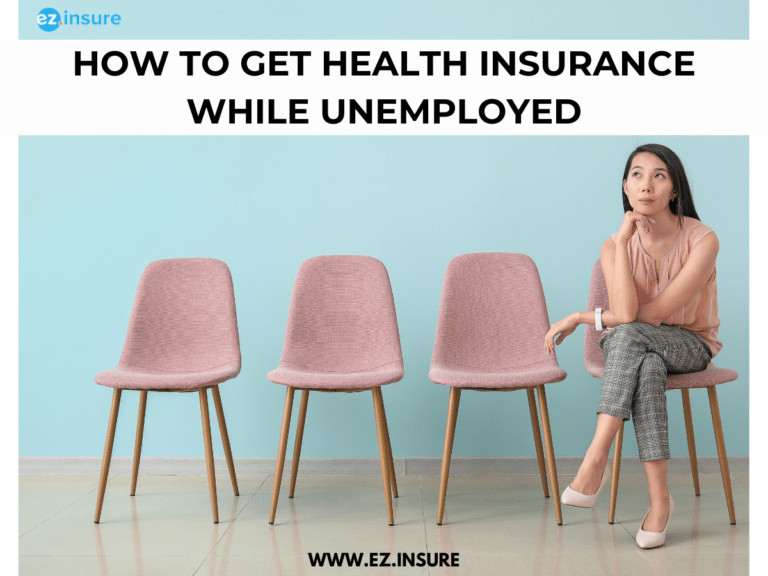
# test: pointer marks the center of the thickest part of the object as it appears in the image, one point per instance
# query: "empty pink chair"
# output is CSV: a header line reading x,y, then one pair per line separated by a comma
x,y
341,336
594,361
182,337
490,336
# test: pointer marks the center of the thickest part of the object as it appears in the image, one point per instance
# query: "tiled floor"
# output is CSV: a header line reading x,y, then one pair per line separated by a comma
x,y
497,524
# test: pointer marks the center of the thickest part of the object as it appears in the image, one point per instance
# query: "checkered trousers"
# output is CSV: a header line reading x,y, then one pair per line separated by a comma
x,y
638,358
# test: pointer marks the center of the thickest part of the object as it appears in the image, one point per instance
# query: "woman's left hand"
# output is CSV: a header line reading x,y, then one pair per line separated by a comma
x,y
564,327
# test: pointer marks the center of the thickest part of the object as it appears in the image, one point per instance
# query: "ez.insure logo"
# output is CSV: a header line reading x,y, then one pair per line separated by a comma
x,y
49,19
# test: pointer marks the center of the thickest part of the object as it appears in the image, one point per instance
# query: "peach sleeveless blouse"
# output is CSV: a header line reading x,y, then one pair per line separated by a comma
x,y
699,314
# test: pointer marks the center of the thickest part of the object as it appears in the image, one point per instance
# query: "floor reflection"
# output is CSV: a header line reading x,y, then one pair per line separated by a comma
x,y
495,527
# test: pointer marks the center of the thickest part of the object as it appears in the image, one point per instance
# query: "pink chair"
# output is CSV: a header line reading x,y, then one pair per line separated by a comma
x,y
594,361
182,337
490,336
341,336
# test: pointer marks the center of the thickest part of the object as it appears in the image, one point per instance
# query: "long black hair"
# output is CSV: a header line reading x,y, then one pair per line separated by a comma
x,y
682,204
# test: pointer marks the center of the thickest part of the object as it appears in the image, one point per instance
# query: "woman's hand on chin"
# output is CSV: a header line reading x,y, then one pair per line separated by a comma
x,y
564,327
630,222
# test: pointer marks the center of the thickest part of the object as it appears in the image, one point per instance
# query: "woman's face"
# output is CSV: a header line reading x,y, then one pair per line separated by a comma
x,y
648,185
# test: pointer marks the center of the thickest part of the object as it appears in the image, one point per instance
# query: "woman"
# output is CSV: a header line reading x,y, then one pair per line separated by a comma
x,y
659,269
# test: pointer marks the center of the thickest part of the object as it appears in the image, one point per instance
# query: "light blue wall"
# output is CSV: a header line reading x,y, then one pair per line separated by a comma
x,y
400,19
95,210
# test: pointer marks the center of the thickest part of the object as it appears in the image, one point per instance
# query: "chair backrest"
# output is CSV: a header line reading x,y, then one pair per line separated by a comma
x,y
598,298
342,316
492,313
183,317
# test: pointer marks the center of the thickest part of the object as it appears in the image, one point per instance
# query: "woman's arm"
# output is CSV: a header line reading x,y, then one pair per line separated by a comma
x,y
617,269
696,272
567,325
622,296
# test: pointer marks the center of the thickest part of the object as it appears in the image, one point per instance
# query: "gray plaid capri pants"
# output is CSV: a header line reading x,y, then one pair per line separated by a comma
x,y
638,358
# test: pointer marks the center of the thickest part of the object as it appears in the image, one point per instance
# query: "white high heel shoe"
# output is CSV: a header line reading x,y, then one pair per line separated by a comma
x,y
572,498
654,539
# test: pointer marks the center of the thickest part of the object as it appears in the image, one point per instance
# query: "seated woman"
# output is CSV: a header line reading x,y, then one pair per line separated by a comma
x,y
659,269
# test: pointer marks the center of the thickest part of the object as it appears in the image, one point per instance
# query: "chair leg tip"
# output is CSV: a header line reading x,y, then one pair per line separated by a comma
x,y
546,496
611,523
733,523
271,523
559,523
391,524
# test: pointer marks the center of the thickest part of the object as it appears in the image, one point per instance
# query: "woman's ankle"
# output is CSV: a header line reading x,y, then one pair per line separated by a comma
x,y
660,499
595,459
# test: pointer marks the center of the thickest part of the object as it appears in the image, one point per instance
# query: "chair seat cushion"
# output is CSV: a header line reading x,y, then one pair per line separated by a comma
x,y
128,377
315,379
543,372
709,377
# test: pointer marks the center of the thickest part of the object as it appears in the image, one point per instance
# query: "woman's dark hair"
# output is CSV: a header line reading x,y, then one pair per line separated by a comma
x,y
682,205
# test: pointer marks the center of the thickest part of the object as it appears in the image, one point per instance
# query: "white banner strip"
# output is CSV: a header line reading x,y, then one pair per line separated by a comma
x,y
593,87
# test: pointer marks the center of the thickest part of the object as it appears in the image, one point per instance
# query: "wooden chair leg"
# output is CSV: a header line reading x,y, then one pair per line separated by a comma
x,y
392,477
537,441
107,458
724,471
390,459
550,452
139,437
281,451
618,442
450,429
378,408
225,437
691,440
209,453
297,442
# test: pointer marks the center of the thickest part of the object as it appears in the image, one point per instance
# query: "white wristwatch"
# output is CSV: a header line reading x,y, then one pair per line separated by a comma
x,y
598,318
